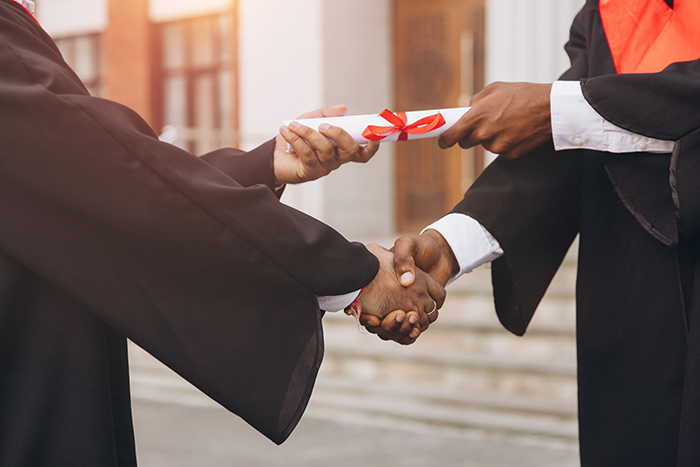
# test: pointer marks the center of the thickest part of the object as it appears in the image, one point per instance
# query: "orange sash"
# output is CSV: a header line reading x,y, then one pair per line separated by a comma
x,y
645,36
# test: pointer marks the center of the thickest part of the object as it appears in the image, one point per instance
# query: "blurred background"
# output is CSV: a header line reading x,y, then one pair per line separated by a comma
x,y
210,73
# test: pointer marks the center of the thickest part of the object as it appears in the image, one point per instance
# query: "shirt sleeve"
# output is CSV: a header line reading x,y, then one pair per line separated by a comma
x,y
471,243
576,125
337,302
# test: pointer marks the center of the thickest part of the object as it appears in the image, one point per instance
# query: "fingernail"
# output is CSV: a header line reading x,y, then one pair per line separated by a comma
x,y
400,318
284,129
414,334
442,144
406,278
413,319
372,323
324,127
295,125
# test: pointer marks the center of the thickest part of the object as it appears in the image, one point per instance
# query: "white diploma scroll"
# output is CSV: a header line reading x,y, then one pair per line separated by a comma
x,y
356,125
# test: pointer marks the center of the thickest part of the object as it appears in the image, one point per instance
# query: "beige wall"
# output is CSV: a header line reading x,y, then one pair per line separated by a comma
x,y
72,17
301,55
358,72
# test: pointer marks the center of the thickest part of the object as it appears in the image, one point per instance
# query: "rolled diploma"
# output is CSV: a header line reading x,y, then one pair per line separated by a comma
x,y
355,125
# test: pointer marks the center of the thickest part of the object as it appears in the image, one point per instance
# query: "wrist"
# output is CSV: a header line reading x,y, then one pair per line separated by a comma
x,y
443,247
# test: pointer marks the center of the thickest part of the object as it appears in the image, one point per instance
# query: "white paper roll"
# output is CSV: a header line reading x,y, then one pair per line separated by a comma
x,y
355,125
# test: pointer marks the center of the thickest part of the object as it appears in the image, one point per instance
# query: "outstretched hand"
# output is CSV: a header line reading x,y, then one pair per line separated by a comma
x,y
429,252
433,256
510,119
314,154
385,299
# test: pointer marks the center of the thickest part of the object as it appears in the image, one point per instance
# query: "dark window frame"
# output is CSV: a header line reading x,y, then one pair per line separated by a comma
x,y
67,46
191,73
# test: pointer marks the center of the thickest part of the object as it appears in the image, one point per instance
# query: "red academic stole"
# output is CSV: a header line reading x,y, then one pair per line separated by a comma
x,y
645,36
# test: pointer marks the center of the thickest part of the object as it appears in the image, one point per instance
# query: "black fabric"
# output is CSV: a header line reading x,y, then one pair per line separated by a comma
x,y
638,336
108,233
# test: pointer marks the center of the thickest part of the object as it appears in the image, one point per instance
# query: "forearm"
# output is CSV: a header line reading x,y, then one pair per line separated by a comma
x,y
471,244
250,168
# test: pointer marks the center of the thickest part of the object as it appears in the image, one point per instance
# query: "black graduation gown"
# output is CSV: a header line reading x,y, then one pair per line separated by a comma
x,y
637,216
107,233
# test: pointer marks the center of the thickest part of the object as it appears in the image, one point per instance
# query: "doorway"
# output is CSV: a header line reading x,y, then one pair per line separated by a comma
x,y
439,63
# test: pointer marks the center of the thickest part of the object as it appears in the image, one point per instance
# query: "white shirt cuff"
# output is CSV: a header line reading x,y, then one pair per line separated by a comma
x,y
471,243
337,302
28,4
576,125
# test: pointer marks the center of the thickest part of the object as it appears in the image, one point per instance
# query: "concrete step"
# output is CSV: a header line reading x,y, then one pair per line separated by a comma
x,y
452,332
444,408
454,370
392,402
151,380
478,282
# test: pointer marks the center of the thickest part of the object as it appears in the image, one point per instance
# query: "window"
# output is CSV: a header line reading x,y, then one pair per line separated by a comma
x,y
83,54
195,82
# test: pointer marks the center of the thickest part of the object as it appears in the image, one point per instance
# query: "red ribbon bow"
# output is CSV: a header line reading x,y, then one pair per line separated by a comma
x,y
422,126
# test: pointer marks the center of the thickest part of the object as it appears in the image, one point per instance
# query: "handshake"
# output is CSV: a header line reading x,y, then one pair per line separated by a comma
x,y
405,296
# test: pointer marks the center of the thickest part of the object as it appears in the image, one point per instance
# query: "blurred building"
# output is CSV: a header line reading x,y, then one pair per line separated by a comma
x,y
227,72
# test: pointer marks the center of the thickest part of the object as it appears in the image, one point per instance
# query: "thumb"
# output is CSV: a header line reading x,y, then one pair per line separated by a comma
x,y
404,264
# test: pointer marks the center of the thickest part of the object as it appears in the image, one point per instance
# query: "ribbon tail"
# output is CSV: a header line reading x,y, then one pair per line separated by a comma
x,y
378,133
426,125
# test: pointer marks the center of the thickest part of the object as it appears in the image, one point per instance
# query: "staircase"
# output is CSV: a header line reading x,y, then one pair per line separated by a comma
x,y
466,373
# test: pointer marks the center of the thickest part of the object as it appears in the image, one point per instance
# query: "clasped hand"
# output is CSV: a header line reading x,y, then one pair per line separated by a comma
x,y
404,311
425,260
314,154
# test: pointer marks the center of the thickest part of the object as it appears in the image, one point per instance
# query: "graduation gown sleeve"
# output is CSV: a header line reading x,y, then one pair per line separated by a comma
x,y
194,259
660,105
531,206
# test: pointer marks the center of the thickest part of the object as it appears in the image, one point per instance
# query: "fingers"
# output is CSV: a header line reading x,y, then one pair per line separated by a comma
x,y
330,111
329,147
341,137
347,148
405,249
437,292
322,148
459,132
397,326
425,320
306,153
479,96
367,152
469,130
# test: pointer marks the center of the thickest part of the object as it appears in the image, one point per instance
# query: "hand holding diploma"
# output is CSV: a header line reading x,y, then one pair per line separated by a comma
x,y
509,119
316,152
